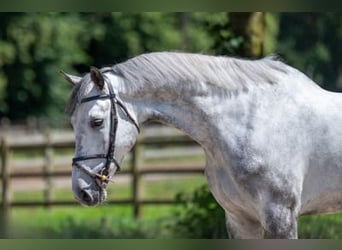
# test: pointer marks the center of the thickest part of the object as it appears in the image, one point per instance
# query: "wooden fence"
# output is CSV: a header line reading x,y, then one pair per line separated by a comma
x,y
50,141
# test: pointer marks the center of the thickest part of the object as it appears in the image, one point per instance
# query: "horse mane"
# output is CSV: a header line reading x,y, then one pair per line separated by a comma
x,y
224,72
169,68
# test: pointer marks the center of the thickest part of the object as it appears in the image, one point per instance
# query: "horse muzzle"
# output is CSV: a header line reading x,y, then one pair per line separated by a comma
x,y
90,187
88,194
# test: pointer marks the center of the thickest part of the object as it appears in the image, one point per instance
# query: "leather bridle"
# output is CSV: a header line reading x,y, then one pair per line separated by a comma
x,y
102,177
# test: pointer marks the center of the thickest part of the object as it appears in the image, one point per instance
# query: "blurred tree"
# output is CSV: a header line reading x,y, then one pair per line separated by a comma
x,y
311,42
244,34
250,27
301,39
7,55
37,46
128,34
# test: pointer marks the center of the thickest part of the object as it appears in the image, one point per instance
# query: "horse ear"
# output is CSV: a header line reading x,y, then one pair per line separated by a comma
x,y
70,78
97,77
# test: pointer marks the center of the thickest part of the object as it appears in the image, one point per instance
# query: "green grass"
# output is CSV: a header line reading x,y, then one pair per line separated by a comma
x,y
78,222
320,226
106,221
117,222
82,222
111,221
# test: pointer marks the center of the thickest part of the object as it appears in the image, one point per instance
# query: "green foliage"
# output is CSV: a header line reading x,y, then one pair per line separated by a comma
x,y
225,41
199,216
311,42
202,217
241,38
35,46
128,34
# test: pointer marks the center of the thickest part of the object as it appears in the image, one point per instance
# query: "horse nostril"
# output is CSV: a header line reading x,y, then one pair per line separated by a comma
x,y
86,196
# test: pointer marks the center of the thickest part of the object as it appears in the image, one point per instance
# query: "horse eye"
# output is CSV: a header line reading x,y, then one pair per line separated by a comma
x,y
96,123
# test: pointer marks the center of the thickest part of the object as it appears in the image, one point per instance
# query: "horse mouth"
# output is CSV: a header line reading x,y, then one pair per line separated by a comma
x,y
91,198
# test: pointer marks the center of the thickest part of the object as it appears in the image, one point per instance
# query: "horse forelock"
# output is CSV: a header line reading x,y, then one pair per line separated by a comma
x,y
79,89
76,93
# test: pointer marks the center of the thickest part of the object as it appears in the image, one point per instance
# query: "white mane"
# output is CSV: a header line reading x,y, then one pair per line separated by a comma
x,y
165,68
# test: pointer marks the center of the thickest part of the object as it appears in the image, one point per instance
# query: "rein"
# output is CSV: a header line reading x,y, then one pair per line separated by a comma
x,y
102,177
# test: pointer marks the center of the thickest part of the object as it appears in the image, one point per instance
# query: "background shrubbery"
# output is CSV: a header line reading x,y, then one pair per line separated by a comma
x,y
202,217
35,46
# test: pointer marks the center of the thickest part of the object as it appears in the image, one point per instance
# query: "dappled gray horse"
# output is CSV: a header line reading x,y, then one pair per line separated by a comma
x,y
271,136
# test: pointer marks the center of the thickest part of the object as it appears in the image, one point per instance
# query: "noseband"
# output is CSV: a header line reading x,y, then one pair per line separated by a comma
x,y
102,177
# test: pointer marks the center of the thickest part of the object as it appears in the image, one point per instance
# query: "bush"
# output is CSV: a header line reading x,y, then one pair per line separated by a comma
x,y
199,216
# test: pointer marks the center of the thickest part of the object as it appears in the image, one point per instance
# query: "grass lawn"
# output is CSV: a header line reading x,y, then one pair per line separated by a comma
x,y
110,221
83,222
327,226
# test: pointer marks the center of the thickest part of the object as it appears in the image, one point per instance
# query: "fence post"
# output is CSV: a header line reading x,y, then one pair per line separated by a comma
x,y
5,191
48,168
5,124
136,178
31,124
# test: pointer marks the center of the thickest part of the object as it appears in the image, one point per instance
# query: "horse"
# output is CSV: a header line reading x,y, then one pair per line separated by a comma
x,y
270,134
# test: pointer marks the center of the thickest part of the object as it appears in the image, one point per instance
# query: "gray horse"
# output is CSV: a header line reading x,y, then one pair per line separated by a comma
x,y
271,136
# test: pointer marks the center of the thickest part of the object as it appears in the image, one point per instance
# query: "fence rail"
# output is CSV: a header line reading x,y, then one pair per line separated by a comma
x,y
50,141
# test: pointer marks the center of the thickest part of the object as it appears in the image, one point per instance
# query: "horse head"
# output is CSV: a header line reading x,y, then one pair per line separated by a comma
x,y
105,131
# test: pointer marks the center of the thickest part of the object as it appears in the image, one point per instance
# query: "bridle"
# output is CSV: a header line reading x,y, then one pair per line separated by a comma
x,y
102,177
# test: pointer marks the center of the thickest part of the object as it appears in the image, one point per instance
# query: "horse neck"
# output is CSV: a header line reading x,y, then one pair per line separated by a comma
x,y
176,107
